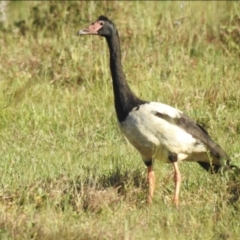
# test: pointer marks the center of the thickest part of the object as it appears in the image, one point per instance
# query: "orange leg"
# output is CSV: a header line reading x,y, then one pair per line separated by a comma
x,y
151,184
177,179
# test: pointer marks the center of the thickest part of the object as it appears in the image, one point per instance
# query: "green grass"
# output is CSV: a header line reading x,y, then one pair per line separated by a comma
x,y
66,170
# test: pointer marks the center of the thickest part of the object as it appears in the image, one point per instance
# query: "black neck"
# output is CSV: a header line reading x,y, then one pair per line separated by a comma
x,y
125,99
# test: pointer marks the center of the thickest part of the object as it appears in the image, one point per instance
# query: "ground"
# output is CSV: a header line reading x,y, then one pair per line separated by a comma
x,y
66,170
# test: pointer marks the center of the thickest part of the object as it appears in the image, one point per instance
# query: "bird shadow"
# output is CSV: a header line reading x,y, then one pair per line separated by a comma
x,y
114,187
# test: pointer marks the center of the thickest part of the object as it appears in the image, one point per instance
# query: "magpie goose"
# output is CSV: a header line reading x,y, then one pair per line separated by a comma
x,y
156,130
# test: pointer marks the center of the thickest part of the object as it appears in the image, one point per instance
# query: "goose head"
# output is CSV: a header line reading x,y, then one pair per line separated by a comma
x,y
102,27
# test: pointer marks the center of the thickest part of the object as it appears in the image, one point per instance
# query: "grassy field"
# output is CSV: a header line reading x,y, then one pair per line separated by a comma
x,y
66,170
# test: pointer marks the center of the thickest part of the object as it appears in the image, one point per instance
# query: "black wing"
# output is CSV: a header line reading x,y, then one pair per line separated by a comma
x,y
198,132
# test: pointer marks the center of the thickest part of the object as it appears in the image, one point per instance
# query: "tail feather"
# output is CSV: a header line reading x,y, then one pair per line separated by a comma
x,y
210,168
213,168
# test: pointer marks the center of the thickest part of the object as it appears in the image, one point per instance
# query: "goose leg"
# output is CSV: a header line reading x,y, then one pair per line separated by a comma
x,y
151,183
177,180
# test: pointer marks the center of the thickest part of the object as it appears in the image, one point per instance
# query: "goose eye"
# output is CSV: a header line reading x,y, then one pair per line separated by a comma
x,y
101,23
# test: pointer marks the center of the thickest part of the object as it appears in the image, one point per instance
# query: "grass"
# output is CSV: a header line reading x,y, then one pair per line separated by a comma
x,y
66,170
